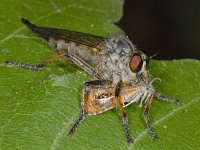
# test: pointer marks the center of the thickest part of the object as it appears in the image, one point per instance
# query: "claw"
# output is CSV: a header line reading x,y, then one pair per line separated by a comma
x,y
129,141
154,136
177,102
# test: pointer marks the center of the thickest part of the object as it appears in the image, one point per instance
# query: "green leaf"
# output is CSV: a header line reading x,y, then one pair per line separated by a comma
x,y
37,108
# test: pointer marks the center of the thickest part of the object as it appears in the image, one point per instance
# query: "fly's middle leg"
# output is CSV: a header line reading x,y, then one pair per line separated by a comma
x,y
83,65
124,116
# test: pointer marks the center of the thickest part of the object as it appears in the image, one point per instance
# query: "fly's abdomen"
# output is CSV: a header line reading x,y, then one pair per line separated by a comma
x,y
89,55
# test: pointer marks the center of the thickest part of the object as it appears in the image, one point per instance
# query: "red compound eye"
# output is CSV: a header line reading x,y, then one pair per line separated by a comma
x,y
136,62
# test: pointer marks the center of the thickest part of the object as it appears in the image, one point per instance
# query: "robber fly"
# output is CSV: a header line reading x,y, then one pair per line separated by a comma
x,y
118,70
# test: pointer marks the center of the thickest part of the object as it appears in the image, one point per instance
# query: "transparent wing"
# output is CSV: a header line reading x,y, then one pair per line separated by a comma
x,y
77,37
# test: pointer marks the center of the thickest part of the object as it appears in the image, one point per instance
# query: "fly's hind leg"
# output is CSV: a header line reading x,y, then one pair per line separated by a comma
x,y
36,67
146,118
124,116
71,57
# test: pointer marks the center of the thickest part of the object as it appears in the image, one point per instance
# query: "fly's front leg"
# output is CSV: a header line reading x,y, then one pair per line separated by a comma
x,y
167,99
146,118
124,116
36,67
77,123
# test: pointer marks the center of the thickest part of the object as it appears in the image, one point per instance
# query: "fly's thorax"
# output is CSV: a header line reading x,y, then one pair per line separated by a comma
x,y
122,60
